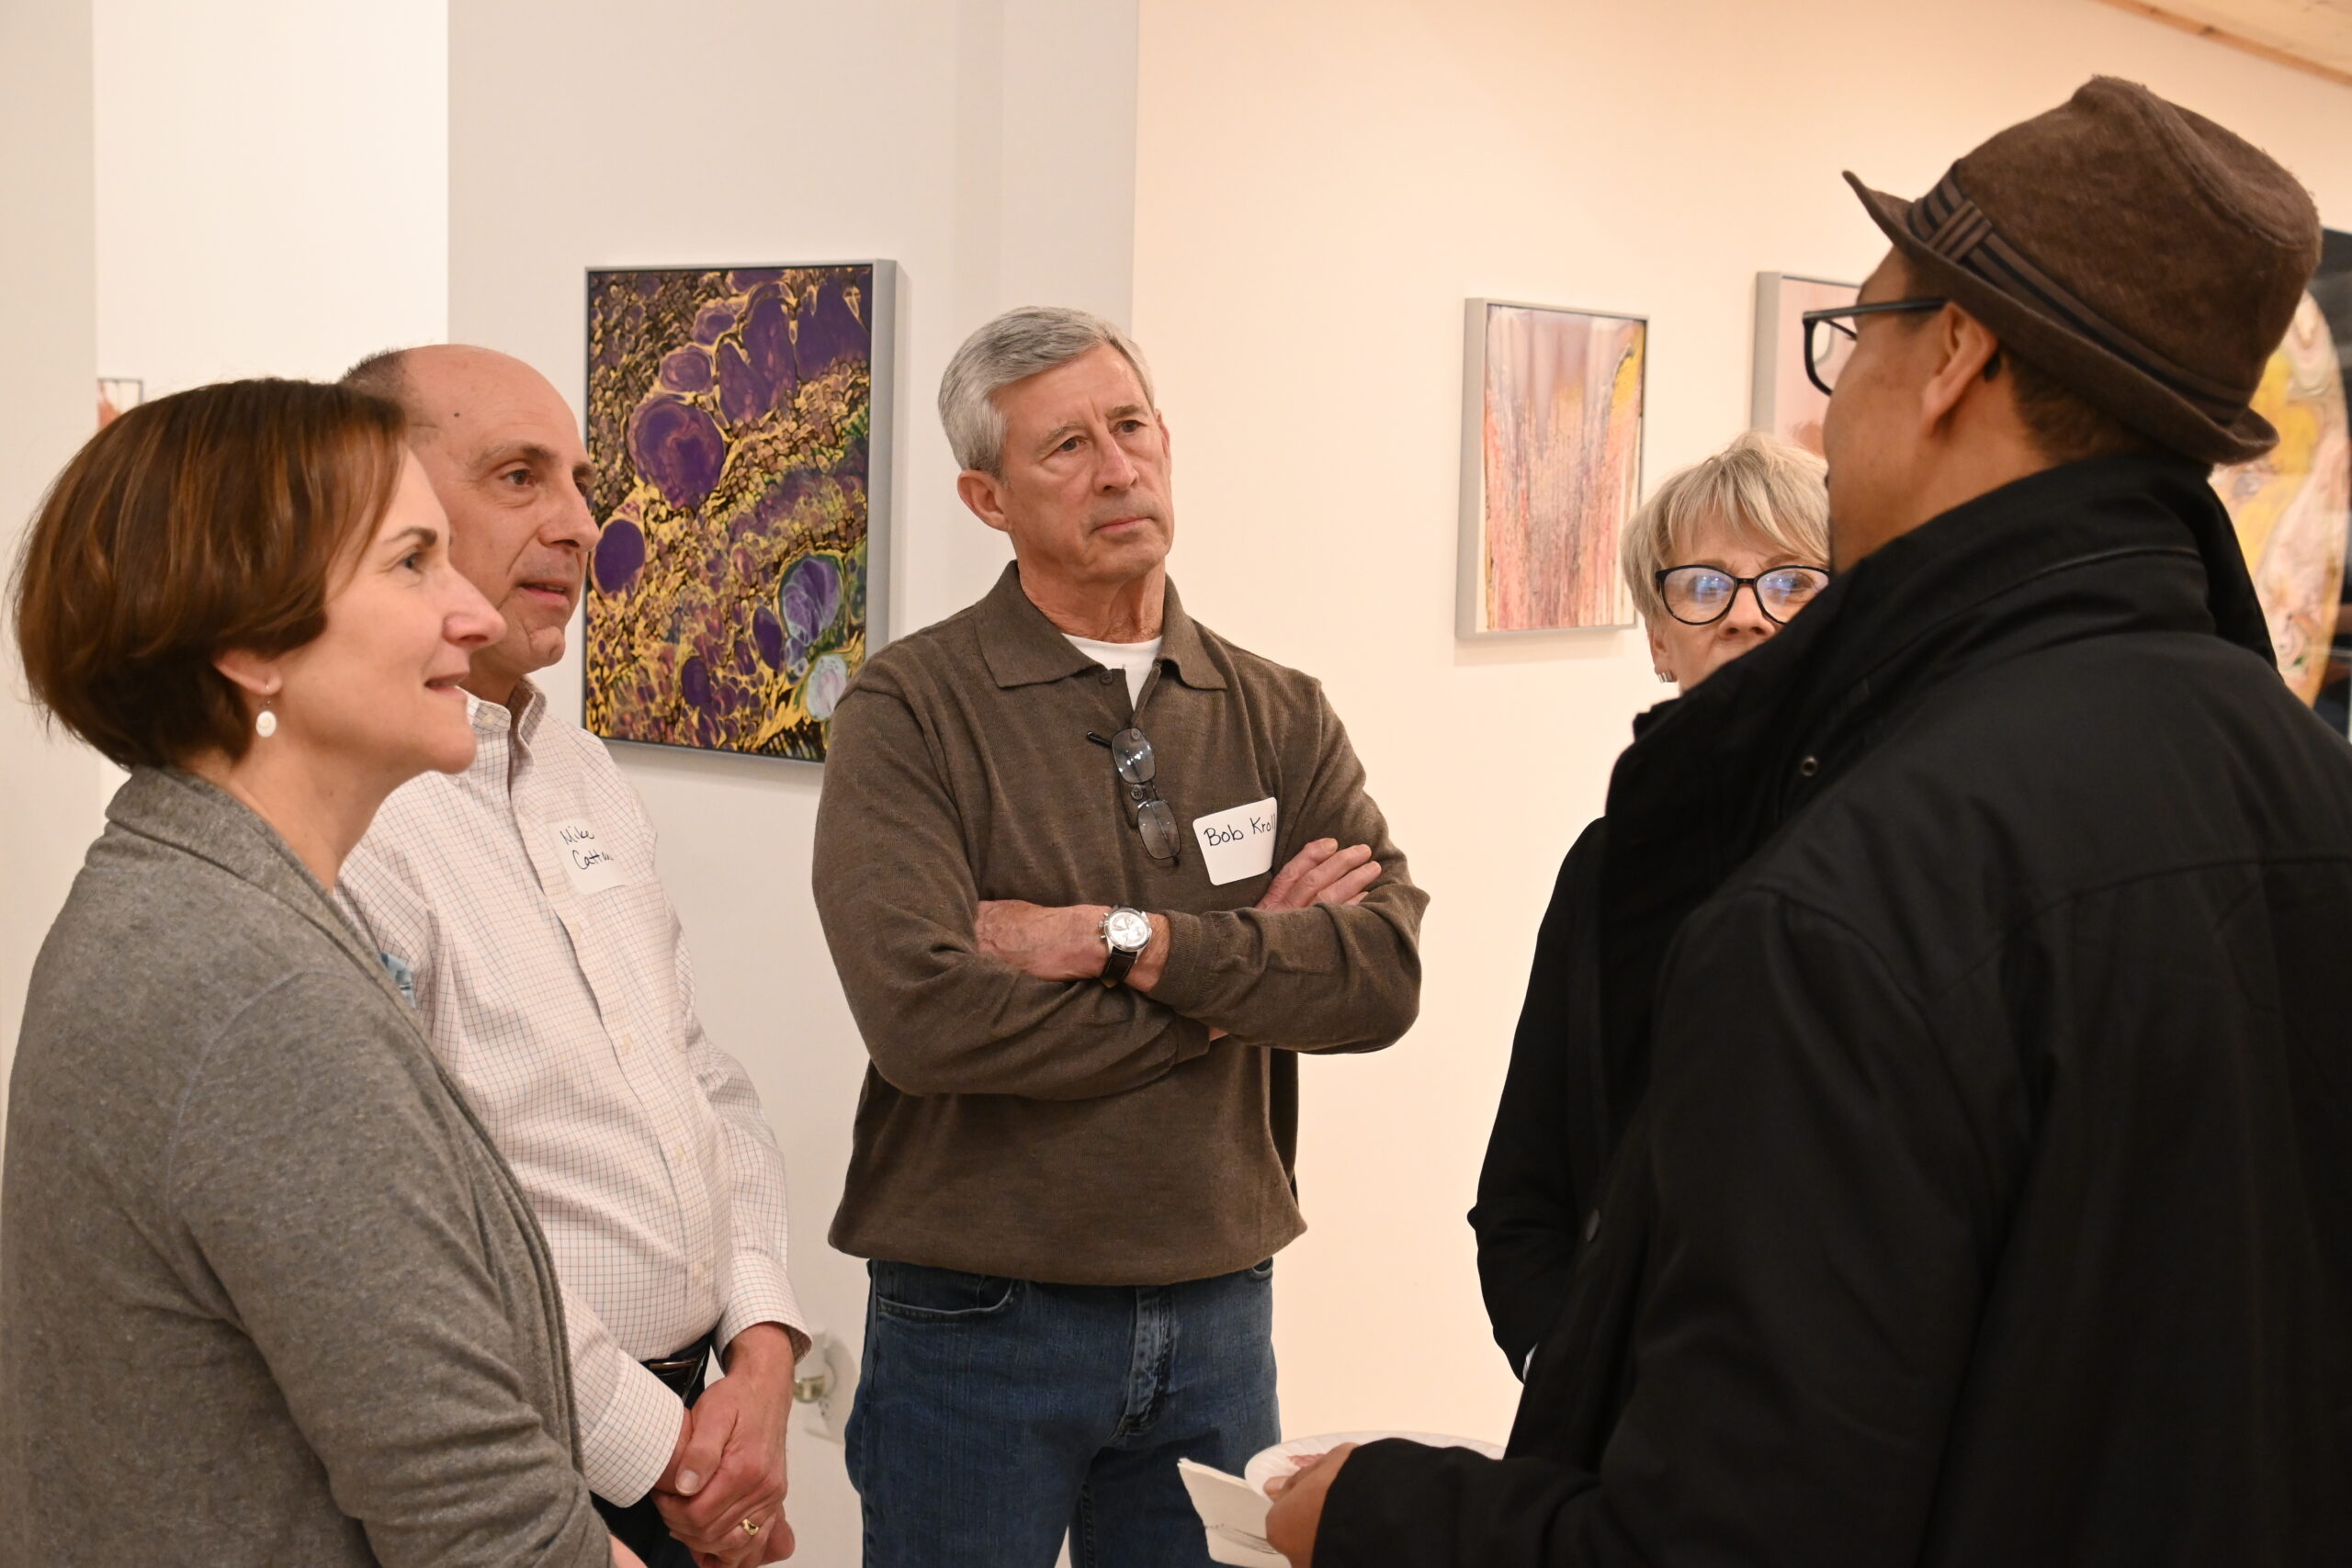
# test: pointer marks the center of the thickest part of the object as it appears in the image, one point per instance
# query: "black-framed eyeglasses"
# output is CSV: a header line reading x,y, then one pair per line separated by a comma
x,y
1132,759
1701,595
1829,341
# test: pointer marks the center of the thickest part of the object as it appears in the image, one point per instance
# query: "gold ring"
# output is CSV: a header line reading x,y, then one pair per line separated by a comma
x,y
750,1527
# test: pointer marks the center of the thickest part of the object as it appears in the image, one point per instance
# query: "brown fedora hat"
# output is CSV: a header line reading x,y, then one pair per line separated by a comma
x,y
2146,258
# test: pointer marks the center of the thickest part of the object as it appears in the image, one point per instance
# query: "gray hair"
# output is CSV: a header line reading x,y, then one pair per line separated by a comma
x,y
1768,486
383,374
1016,345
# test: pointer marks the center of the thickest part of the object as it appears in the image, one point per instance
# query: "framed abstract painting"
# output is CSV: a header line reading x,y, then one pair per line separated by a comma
x,y
2332,291
1781,399
118,395
2292,506
1550,466
739,422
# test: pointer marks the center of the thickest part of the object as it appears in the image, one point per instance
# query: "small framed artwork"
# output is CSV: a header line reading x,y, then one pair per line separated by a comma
x,y
1550,466
1782,399
118,395
738,419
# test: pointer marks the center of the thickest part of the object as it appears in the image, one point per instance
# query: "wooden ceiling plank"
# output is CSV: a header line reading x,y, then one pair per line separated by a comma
x,y
2235,40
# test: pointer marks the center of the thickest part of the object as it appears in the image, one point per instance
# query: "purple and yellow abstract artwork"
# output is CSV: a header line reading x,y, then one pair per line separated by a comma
x,y
735,427
1552,457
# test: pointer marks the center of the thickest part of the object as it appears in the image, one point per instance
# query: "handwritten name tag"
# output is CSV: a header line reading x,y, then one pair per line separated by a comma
x,y
1240,843
594,868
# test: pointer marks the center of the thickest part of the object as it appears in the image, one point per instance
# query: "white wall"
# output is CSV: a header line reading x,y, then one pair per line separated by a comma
x,y
1321,184
987,146
48,407
272,185
271,190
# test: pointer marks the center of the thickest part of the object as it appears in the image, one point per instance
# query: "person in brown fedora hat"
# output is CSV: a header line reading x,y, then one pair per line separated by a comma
x,y
1991,1198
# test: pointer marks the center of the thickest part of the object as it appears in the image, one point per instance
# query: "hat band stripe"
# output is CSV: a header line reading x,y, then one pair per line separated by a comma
x,y
1969,228
1954,227
1954,224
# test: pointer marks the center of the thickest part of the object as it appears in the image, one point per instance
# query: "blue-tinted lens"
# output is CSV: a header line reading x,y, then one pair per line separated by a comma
x,y
1788,590
1698,593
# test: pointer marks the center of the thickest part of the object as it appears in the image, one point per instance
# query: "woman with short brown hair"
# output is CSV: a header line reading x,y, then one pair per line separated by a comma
x,y
267,1293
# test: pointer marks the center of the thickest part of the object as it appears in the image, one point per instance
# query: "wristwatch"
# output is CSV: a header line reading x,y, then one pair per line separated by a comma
x,y
1125,932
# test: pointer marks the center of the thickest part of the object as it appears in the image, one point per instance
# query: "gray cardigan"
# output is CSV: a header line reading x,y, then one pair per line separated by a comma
x,y
268,1295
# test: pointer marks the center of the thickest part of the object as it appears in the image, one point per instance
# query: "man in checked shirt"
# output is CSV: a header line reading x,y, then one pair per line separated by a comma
x,y
553,979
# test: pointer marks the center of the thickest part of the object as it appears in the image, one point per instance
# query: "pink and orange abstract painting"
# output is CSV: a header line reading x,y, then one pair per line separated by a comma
x,y
1551,467
1782,399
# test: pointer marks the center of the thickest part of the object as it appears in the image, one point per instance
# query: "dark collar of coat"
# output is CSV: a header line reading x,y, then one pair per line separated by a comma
x,y
2087,550
1023,649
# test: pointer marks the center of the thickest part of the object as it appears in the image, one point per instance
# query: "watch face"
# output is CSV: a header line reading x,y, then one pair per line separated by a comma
x,y
1127,928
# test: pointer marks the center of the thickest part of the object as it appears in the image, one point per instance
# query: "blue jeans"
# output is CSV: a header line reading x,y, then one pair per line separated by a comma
x,y
995,1414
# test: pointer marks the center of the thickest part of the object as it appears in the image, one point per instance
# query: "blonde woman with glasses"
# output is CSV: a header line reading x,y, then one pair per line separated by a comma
x,y
1718,560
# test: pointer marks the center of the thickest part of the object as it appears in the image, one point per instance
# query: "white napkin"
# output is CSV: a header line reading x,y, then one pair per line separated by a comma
x,y
1234,1513
1233,1508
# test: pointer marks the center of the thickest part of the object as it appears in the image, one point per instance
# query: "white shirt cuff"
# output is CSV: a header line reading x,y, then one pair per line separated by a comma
x,y
626,1446
761,1294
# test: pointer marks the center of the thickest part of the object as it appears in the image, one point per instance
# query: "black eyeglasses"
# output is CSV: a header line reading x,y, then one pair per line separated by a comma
x,y
1132,759
1701,595
1828,341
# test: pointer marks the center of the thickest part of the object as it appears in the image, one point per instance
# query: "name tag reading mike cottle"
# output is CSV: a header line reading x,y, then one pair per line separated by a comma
x,y
594,868
1238,843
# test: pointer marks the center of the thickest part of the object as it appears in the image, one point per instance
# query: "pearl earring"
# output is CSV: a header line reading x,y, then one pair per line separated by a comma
x,y
265,725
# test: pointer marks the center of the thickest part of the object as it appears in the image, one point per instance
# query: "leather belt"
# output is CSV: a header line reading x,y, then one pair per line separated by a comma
x,y
683,1374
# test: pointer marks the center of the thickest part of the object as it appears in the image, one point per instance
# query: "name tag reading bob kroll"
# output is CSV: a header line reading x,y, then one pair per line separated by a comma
x,y
594,868
1240,843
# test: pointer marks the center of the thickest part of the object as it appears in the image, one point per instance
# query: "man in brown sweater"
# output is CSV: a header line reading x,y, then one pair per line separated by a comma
x,y
1046,863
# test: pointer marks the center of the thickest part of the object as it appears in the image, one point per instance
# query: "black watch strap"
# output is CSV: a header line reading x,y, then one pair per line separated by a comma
x,y
1115,967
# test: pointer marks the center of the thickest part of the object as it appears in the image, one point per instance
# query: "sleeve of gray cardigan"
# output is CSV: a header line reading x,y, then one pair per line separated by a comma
x,y
322,1189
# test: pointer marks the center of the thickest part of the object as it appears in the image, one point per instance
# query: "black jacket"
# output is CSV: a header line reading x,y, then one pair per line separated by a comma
x,y
1563,1109
1991,1201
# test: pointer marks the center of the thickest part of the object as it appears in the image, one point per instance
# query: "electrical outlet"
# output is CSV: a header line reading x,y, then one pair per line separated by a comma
x,y
826,1382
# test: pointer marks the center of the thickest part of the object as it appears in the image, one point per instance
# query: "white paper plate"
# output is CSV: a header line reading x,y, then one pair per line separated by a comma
x,y
1276,1460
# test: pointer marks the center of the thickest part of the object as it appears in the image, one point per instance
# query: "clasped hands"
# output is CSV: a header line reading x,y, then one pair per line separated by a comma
x,y
1065,942
727,1466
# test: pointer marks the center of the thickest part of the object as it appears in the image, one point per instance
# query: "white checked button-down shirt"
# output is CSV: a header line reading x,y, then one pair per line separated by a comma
x,y
552,976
